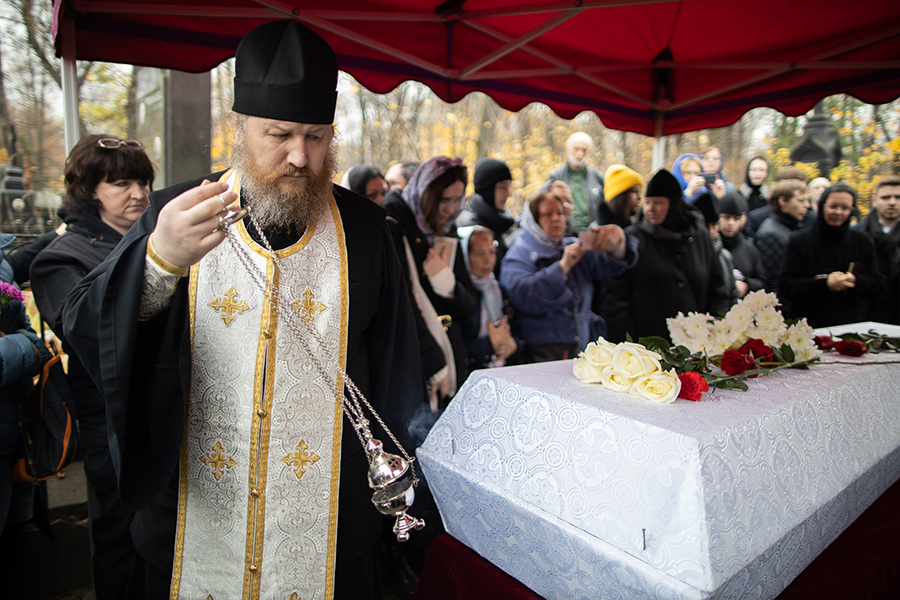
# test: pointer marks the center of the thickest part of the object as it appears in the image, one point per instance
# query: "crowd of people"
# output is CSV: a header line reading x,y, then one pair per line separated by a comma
x,y
184,380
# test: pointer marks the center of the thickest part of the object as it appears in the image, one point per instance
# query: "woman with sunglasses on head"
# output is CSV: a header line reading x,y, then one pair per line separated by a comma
x,y
108,183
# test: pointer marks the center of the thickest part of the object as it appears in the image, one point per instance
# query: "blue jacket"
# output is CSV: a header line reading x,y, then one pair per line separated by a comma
x,y
552,308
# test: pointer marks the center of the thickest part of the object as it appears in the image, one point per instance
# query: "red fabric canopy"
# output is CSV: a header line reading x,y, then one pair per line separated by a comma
x,y
647,66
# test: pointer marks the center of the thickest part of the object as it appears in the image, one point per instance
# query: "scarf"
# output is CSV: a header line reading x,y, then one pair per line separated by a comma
x,y
427,171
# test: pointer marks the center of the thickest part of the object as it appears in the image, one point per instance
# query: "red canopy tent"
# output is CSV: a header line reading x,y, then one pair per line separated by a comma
x,y
654,67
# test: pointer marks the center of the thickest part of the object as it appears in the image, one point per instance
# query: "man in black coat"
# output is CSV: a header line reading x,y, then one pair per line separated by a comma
x,y
881,225
789,203
210,403
747,264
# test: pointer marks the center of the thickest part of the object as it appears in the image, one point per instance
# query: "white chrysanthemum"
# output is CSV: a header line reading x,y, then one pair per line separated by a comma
x,y
615,381
720,338
677,330
801,338
769,319
770,336
585,371
739,318
807,352
758,301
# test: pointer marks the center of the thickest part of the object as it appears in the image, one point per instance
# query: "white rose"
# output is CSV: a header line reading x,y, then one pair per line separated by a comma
x,y
661,387
633,360
615,381
599,355
585,371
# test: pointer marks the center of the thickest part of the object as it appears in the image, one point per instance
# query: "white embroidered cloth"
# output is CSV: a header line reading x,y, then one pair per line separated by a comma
x,y
580,492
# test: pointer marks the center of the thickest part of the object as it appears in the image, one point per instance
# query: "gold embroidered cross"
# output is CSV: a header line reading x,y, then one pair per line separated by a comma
x,y
294,596
300,459
308,307
229,306
217,460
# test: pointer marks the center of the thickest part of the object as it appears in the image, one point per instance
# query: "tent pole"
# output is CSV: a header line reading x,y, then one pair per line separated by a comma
x,y
659,143
69,83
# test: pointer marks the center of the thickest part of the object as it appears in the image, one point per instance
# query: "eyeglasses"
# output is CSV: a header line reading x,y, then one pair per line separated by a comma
x,y
112,143
837,208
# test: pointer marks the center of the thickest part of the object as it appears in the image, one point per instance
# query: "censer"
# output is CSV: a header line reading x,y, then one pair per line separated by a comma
x,y
392,477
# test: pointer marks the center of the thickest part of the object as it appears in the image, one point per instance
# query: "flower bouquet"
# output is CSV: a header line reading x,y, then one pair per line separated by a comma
x,y
750,340
629,368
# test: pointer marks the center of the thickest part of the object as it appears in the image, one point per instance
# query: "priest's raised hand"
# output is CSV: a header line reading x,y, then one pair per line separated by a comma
x,y
188,225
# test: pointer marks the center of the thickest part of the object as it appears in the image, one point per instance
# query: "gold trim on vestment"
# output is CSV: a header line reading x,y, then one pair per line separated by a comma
x,y
263,391
339,394
178,563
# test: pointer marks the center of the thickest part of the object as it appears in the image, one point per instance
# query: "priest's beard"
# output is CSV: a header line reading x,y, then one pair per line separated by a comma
x,y
281,207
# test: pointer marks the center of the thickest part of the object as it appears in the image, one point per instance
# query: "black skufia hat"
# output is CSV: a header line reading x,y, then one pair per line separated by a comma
x,y
284,70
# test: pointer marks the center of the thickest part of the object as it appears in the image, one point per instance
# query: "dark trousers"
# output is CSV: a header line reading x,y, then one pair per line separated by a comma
x,y
112,549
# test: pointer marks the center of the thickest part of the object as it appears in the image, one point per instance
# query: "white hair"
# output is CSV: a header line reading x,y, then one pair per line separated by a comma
x,y
580,136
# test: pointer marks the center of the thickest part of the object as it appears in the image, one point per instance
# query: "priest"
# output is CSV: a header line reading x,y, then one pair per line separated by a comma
x,y
227,439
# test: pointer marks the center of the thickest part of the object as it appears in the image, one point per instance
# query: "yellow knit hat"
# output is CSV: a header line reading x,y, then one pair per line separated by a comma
x,y
620,178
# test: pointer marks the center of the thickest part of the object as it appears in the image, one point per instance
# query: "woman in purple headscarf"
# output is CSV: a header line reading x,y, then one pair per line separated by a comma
x,y
423,219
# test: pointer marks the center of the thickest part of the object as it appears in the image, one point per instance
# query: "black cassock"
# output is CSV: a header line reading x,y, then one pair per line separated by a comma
x,y
143,370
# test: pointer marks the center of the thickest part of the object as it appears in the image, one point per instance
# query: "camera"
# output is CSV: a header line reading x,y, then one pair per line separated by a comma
x,y
709,177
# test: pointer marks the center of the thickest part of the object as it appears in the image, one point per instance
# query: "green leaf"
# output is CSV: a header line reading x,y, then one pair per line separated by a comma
x,y
788,353
689,365
732,384
851,336
628,338
653,342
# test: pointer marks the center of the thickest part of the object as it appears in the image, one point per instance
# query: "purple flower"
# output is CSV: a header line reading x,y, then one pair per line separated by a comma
x,y
9,292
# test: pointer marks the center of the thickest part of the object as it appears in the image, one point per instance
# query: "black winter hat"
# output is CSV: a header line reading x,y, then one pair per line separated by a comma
x,y
665,184
706,204
488,173
732,203
284,70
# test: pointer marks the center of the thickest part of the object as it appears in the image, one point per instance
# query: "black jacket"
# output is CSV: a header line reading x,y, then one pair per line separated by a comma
x,y
55,272
465,301
885,308
770,241
746,260
676,271
809,257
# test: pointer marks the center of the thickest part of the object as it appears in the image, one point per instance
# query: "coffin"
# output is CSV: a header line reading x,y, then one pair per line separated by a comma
x,y
580,492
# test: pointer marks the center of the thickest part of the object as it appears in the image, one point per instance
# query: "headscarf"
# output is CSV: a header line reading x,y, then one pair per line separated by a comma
x,y
529,224
676,169
666,184
427,171
491,296
756,198
829,231
359,177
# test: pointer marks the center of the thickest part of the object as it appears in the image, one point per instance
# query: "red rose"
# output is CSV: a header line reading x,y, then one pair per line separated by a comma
x,y
850,348
692,386
735,363
824,342
757,349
